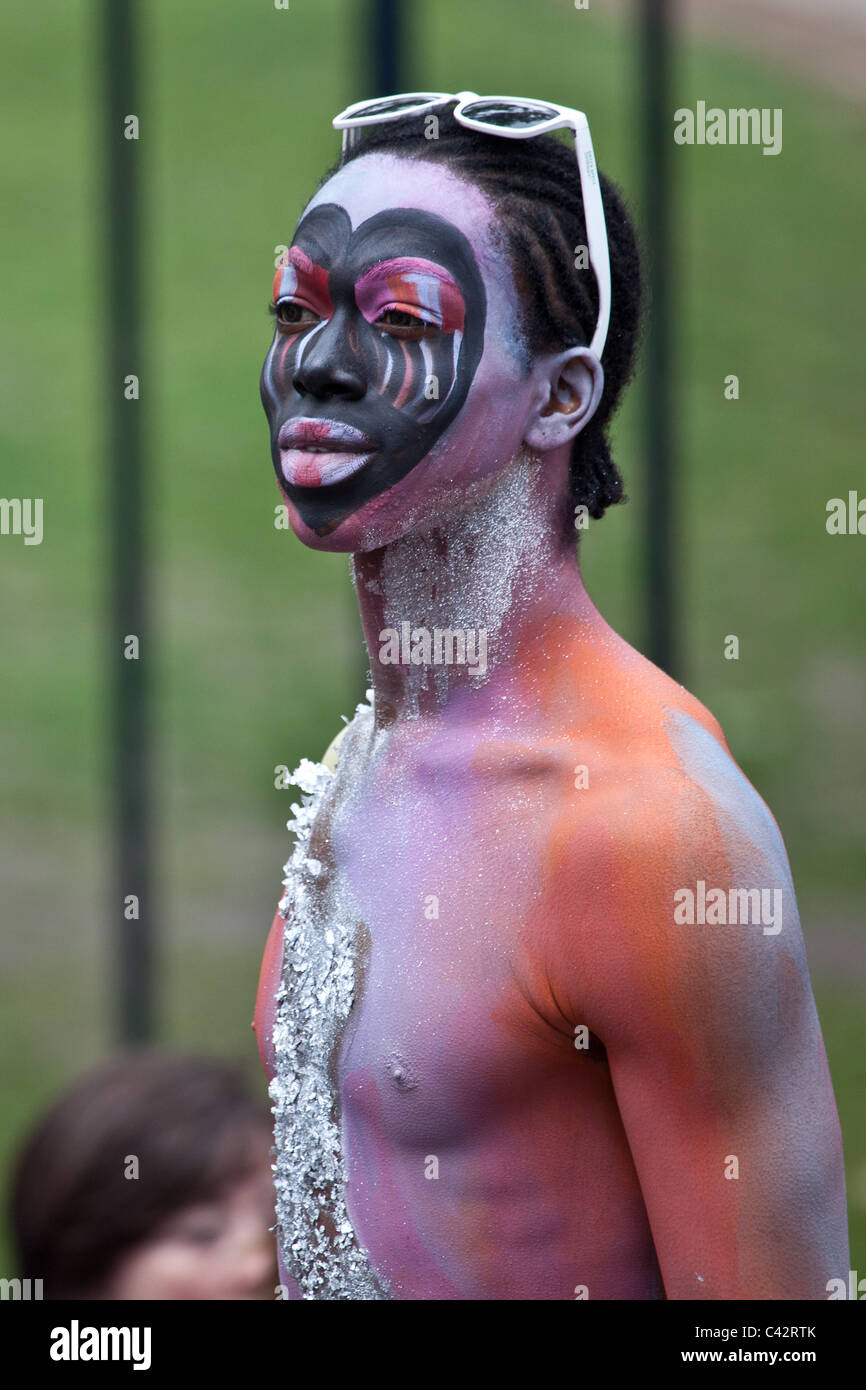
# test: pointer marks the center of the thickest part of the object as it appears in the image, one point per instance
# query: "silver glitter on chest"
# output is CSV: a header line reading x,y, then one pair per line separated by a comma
x,y
319,980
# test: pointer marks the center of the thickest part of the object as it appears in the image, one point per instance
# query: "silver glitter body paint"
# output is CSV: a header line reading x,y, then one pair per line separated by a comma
x,y
319,982
463,575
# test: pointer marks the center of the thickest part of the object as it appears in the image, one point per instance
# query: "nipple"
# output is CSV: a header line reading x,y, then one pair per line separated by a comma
x,y
400,1074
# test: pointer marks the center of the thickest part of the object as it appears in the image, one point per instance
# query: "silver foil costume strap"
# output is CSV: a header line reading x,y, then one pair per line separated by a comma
x,y
318,1243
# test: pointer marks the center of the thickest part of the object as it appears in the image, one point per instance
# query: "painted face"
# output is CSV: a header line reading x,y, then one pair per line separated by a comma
x,y
379,331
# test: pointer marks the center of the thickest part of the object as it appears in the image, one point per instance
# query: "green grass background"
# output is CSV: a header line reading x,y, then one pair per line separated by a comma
x,y
256,652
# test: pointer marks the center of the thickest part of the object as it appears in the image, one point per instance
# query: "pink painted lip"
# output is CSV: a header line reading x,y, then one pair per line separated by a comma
x,y
319,453
332,435
315,468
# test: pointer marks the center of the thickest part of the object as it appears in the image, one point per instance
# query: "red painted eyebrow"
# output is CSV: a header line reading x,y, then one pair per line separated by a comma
x,y
298,274
406,266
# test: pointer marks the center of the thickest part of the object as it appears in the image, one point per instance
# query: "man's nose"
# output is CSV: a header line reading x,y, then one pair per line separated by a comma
x,y
330,367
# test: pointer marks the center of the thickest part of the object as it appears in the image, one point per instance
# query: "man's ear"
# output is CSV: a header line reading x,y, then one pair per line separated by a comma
x,y
570,386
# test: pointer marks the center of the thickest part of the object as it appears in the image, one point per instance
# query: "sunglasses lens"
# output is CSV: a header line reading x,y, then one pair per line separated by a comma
x,y
387,106
510,115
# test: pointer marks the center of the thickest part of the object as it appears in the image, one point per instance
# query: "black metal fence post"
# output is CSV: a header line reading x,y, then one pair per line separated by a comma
x,y
129,654
660,444
386,56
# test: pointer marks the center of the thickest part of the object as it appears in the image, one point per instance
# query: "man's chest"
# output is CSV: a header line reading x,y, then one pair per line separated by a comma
x,y
444,895
413,962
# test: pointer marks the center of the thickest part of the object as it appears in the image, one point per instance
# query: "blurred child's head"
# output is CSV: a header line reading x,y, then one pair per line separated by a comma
x,y
150,1178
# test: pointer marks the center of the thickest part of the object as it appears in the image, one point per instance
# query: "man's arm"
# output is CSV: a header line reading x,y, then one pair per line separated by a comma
x,y
716,1055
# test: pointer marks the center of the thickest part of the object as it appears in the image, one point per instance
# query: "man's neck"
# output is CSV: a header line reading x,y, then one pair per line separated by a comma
x,y
445,609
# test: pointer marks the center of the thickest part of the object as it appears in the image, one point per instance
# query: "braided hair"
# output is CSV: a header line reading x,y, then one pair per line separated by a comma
x,y
535,186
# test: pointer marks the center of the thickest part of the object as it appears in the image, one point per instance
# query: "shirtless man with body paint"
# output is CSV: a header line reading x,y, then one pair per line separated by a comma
x,y
546,1086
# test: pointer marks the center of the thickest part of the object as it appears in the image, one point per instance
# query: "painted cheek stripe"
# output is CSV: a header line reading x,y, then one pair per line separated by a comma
x,y
403,394
282,365
446,363
428,370
387,377
307,338
458,339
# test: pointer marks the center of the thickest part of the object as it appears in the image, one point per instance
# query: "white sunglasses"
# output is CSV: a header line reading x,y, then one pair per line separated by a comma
x,y
515,118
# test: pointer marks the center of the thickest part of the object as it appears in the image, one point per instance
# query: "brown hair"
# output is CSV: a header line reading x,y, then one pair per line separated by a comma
x,y
191,1124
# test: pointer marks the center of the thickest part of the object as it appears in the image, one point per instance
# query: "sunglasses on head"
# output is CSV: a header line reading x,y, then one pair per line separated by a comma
x,y
515,118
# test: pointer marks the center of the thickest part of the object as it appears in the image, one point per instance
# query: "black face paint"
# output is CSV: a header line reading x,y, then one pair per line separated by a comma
x,y
329,361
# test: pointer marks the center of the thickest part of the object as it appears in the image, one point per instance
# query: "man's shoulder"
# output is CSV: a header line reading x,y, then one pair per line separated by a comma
x,y
665,818
655,780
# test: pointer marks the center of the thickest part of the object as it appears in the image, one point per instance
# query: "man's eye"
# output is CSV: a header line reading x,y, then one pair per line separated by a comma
x,y
292,315
404,324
